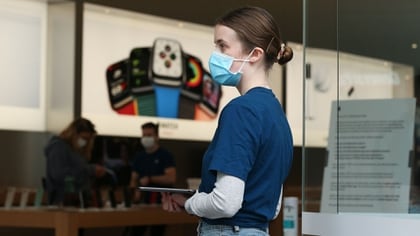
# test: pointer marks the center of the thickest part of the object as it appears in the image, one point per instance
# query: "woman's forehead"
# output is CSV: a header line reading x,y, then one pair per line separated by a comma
x,y
224,34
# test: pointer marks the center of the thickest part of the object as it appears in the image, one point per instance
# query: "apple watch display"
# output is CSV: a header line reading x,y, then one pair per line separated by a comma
x,y
141,85
118,84
139,70
167,72
167,63
163,81
192,87
212,93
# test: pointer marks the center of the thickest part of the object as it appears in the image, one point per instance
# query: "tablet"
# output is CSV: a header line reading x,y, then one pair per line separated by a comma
x,y
169,190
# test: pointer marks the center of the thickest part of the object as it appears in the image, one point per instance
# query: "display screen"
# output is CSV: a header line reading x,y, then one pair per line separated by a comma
x,y
118,35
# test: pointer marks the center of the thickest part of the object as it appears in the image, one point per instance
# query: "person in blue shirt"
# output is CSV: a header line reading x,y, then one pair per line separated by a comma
x,y
152,167
251,153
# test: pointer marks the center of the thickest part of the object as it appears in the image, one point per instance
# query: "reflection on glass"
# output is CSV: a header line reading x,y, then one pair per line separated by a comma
x,y
368,164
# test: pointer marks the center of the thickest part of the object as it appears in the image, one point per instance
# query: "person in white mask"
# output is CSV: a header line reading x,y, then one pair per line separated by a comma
x,y
155,167
250,155
67,161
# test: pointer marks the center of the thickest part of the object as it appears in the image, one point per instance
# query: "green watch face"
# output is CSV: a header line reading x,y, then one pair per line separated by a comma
x,y
139,69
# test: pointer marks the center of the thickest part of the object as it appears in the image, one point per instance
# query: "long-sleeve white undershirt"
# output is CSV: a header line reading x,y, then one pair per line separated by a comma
x,y
224,201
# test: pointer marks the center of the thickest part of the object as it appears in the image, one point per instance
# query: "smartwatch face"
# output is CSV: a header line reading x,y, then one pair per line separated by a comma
x,y
212,93
139,70
118,85
192,86
167,63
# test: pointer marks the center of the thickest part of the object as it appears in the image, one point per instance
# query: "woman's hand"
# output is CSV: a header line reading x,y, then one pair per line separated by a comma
x,y
173,202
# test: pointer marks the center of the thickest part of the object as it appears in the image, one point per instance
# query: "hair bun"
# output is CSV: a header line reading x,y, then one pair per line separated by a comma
x,y
285,54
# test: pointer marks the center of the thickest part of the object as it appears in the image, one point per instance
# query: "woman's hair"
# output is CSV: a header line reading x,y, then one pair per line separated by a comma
x,y
76,127
256,27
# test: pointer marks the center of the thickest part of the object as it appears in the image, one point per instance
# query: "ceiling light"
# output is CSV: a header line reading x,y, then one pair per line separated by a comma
x,y
414,45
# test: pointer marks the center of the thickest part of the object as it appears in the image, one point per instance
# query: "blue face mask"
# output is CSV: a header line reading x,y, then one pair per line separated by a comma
x,y
220,64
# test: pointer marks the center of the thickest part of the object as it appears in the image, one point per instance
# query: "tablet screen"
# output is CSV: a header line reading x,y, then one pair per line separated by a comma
x,y
170,190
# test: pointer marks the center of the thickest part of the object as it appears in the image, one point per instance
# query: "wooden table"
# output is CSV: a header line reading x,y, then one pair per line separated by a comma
x,y
67,221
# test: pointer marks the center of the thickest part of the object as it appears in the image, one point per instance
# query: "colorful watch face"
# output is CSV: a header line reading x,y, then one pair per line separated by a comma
x,y
139,70
192,87
212,93
118,84
167,63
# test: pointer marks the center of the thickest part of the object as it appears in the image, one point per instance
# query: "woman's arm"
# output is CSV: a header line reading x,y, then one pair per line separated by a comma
x,y
224,201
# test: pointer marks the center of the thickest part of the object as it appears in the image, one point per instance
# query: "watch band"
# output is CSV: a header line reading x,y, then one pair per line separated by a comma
x,y
167,99
146,104
127,109
200,114
186,109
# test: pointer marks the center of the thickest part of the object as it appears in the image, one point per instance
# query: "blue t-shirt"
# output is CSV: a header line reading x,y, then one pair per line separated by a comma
x,y
152,164
253,142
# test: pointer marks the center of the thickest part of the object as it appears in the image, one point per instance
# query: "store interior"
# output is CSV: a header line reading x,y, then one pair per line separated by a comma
x,y
384,32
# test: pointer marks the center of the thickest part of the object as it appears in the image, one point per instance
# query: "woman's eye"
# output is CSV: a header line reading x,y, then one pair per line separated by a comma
x,y
222,48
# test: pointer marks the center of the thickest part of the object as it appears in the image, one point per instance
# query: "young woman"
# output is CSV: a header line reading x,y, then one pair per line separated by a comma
x,y
67,159
251,152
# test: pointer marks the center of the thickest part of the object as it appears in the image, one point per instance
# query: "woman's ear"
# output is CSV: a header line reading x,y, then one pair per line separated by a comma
x,y
256,55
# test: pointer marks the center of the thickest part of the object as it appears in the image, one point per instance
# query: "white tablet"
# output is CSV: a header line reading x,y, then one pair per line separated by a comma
x,y
169,190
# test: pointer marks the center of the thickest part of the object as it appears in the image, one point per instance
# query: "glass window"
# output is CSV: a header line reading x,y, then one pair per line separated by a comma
x,y
359,129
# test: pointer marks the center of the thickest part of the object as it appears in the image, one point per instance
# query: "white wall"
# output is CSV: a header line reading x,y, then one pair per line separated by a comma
x,y
23,64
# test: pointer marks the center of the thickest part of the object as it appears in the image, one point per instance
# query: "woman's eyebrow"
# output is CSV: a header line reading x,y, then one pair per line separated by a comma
x,y
219,41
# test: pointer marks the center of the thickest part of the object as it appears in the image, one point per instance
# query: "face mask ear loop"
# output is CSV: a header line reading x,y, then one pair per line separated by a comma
x,y
244,60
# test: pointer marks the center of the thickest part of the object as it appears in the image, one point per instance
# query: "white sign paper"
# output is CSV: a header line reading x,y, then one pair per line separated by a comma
x,y
369,151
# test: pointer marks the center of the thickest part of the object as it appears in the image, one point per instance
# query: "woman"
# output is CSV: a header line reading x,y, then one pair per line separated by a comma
x,y
251,152
68,169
